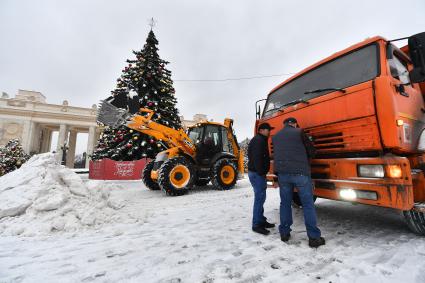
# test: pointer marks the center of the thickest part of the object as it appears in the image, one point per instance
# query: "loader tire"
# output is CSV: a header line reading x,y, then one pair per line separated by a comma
x,y
146,177
224,174
415,221
202,182
176,176
297,201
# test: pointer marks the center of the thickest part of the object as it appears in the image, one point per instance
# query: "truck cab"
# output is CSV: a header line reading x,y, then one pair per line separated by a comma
x,y
364,109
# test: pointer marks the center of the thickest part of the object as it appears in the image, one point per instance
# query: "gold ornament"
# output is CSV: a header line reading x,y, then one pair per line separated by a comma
x,y
131,131
135,138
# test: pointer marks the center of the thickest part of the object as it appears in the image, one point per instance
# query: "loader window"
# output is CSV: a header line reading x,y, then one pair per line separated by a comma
x,y
212,136
195,134
224,138
347,70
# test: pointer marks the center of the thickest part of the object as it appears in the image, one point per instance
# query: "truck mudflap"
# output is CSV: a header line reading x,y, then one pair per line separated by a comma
x,y
339,179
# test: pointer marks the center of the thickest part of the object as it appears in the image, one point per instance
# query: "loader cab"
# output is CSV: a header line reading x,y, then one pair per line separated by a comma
x,y
210,140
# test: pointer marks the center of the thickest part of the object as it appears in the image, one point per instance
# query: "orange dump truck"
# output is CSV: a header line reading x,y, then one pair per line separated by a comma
x,y
364,109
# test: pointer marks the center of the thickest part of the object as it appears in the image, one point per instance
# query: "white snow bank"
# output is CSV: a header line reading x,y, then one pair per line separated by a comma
x,y
43,197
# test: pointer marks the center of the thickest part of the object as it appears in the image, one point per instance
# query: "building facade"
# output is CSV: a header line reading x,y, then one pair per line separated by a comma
x,y
29,118
196,119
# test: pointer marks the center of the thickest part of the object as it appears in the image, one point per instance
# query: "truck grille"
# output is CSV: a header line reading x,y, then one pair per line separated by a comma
x,y
354,135
333,140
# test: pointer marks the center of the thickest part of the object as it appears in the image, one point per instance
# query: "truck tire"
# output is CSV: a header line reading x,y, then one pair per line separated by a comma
x,y
146,177
202,182
224,174
175,176
297,201
415,221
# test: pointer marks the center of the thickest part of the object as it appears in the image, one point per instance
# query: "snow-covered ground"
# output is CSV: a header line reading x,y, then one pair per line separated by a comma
x,y
204,236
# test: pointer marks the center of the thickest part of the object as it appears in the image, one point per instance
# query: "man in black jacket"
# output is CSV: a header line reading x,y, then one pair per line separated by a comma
x,y
291,152
258,166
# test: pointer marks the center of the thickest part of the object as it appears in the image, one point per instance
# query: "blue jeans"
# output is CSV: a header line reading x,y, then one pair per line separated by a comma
x,y
259,184
287,182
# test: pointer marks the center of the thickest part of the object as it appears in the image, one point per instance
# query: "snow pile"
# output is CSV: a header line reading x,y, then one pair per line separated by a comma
x,y
43,197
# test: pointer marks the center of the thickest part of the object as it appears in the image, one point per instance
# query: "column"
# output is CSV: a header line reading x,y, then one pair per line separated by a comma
x,y
70,157
35,138
26,140
90,143
62,138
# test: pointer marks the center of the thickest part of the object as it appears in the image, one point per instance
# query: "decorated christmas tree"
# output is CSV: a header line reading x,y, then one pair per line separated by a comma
x,y
12,156
144,83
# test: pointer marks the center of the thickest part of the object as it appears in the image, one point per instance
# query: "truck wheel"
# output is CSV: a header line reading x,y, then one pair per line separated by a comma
x,y
224,174
146,176
202,182
297,201
175,176
416,221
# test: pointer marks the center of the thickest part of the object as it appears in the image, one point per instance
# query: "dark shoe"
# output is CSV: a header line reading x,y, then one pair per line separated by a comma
x,y
260,230
314,243
285,238
268,225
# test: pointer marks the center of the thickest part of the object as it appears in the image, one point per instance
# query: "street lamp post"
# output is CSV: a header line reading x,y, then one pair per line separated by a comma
x,y
64,149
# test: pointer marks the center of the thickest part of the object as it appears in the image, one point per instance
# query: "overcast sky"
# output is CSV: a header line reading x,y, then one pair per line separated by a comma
x,y
75,50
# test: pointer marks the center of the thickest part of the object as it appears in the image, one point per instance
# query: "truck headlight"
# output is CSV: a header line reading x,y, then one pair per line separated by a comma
x,y
371,171
348,194
394,171
421,143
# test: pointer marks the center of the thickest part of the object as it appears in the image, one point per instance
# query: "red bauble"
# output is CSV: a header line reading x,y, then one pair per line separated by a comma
x,y
151,141
129,145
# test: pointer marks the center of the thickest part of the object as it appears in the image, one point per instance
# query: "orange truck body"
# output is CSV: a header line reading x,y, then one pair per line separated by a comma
x,y
375,122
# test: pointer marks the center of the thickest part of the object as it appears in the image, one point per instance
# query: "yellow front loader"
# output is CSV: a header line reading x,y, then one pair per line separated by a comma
x,y
207,152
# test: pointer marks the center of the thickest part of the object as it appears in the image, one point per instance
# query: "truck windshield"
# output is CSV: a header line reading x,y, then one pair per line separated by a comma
x,y
348,70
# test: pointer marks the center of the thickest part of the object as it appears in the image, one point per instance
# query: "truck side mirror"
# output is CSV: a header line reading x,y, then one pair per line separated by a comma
x,y
417,55
258,108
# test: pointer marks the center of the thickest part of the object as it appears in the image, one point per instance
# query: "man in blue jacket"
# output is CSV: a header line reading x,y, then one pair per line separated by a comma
x,y
258,166
291,152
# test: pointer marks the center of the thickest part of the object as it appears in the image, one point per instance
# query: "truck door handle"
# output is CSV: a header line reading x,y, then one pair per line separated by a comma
x,y
401,90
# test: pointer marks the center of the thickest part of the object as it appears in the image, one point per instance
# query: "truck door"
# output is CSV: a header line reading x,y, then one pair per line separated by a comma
x,y
409,100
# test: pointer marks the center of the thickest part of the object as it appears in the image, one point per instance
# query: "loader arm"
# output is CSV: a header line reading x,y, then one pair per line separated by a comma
x,y
169,136
228,123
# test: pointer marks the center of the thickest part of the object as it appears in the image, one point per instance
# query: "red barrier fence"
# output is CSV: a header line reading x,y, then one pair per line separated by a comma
x,y
107,169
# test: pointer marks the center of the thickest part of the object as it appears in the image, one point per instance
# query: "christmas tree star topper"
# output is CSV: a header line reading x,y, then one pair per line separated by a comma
x,y
152,23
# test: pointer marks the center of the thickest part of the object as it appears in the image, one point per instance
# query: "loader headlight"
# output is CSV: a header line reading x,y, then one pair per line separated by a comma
x,y
371,171
162,156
